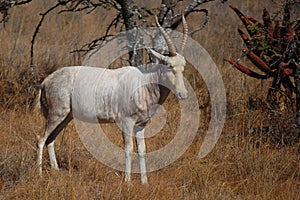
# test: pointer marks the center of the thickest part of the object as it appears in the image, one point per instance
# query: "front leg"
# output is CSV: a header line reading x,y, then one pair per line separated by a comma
x,y
128,152
127,128
141,146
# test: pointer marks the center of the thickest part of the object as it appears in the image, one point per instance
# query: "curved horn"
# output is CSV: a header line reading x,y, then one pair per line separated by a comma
x,y
172,49
185,34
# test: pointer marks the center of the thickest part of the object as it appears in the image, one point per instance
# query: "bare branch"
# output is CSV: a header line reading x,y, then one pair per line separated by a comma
x,y
23,2
192,6
5,5
37,30
204,23
166,7
95,43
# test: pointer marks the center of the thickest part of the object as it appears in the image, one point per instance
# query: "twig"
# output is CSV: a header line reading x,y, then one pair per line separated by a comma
x,y
23,2
202,26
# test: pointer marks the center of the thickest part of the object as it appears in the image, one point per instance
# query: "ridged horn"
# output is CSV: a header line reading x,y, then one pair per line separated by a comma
x,y
185,34
171,46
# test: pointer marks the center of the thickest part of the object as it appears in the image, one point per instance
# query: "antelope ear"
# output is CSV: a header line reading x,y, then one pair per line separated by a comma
x,y
157,55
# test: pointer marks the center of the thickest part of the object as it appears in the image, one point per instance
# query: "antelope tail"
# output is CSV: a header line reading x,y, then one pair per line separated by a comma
x,y
37,103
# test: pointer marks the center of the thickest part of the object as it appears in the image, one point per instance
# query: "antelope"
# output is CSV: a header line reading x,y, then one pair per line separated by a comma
x,y
57,95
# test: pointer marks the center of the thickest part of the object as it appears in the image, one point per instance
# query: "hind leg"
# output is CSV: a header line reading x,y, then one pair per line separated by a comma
x,y
52,156
50,127
55,123
51,139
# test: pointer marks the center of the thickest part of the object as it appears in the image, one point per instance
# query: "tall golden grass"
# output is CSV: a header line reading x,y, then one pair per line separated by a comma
x,y
256,157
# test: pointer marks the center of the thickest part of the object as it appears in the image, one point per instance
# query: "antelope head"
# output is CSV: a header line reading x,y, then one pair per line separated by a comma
x,y
172,75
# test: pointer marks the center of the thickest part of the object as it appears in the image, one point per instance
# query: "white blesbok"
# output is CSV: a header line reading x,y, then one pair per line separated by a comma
x,y
115,99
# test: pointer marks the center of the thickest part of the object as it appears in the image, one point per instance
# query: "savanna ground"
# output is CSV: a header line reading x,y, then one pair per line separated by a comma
x,y
256,157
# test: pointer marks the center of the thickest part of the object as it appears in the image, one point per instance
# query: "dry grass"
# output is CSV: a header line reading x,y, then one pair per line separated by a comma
x,y
256,157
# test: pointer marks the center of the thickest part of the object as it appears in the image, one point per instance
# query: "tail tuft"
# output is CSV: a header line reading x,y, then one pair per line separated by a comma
x,y
37,103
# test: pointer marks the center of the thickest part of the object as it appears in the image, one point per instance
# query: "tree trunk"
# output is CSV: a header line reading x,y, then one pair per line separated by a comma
x,y
127,10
